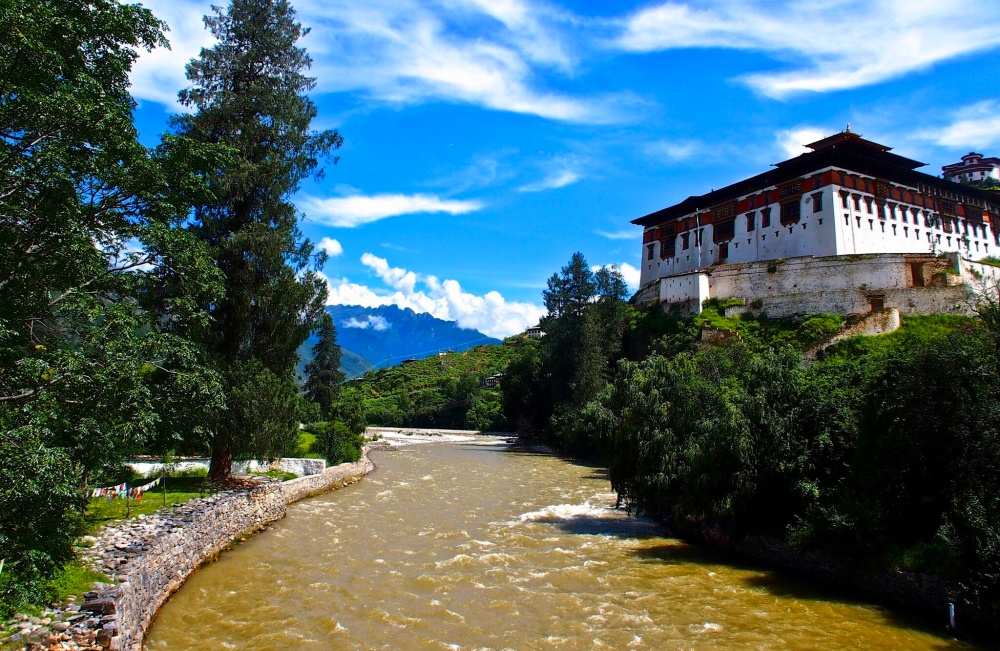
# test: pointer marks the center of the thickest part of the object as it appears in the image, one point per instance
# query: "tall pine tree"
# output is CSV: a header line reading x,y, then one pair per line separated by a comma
x,y
249,93
323,374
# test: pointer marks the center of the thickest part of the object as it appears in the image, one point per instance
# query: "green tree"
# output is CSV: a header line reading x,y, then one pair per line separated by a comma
x,y
323,374
90,262
249,93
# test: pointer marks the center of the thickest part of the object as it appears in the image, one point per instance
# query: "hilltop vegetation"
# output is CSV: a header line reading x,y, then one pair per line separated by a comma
x,y
885,449
439,391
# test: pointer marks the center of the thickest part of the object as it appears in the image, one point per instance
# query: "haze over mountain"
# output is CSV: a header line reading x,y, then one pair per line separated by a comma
x,y
373,337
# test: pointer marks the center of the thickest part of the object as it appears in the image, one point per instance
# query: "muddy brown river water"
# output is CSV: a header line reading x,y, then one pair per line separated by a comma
x,y
474,546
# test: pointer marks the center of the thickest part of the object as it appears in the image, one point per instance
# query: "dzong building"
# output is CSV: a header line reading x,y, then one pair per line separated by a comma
x,y
849,227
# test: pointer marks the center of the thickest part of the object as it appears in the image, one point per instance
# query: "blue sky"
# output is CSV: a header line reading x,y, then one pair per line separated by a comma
x,y
487,140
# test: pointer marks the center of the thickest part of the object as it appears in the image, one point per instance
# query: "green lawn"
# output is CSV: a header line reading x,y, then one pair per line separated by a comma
x,y
179,490
306,441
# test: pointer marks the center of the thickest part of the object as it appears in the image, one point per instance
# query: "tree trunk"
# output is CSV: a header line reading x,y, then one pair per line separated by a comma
x,y
221,469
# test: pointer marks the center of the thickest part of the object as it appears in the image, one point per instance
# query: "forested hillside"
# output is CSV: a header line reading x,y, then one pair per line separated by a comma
x,y
885,449
439,391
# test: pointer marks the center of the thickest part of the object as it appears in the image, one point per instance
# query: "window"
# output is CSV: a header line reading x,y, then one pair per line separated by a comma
x,y
723,231
843,199
751,217
817,202
765,218
857,202
649,251
791,212
685,241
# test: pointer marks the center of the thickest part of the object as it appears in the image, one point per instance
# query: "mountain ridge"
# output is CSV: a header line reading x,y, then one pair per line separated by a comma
x,y
377,337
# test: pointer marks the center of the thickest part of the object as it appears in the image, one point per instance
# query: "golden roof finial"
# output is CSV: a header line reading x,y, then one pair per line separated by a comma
x,y
848,129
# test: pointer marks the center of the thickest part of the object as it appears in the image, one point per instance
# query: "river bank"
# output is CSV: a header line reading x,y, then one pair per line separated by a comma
x,y
930,597
477,545
149,558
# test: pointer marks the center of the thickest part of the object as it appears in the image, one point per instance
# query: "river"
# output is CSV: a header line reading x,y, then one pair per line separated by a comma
x,y
474,546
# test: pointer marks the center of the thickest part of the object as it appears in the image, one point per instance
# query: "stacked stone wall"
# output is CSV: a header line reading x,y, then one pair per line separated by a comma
x,y
150,557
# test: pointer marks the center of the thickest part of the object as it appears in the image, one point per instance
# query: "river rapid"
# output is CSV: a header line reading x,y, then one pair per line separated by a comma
x,y
475,546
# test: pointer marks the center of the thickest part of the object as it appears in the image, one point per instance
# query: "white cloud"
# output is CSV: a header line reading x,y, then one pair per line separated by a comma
x,y
792,142
625,234
976,127
159,75
672,150
833,45
355,210
629,273
490,313
559,179
557,173
376,323
407,51
331,246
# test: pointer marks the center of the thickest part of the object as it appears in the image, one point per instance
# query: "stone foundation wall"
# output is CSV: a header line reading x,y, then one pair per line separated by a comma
x,y
149,558
910,283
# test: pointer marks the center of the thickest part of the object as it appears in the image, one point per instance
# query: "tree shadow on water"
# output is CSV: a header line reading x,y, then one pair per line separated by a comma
x,y
786,585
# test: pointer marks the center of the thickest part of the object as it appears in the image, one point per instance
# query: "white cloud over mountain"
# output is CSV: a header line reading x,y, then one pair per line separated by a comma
x,y
490,313
376,323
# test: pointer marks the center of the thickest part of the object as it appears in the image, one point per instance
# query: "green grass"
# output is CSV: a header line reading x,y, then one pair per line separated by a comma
x,y
71,581
798,332
306,441
179,490
914,328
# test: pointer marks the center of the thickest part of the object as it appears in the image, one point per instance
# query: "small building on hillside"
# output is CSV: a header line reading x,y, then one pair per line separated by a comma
x,y
848,227
492,381
534,332
974,168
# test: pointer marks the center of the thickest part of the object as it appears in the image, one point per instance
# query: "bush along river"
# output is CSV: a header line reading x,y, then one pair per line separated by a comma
x,y
475,546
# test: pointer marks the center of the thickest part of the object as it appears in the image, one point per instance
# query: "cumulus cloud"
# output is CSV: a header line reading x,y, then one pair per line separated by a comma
x,y
485,53
376,323
159,75
792,142
331,246
355,210
631,275
836,45
628,272
490,313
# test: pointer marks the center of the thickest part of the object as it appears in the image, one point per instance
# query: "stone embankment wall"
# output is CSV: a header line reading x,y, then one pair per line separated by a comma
x,y
149,558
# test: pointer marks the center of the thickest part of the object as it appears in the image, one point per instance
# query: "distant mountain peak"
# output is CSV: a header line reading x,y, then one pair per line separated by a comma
x,y
387,334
